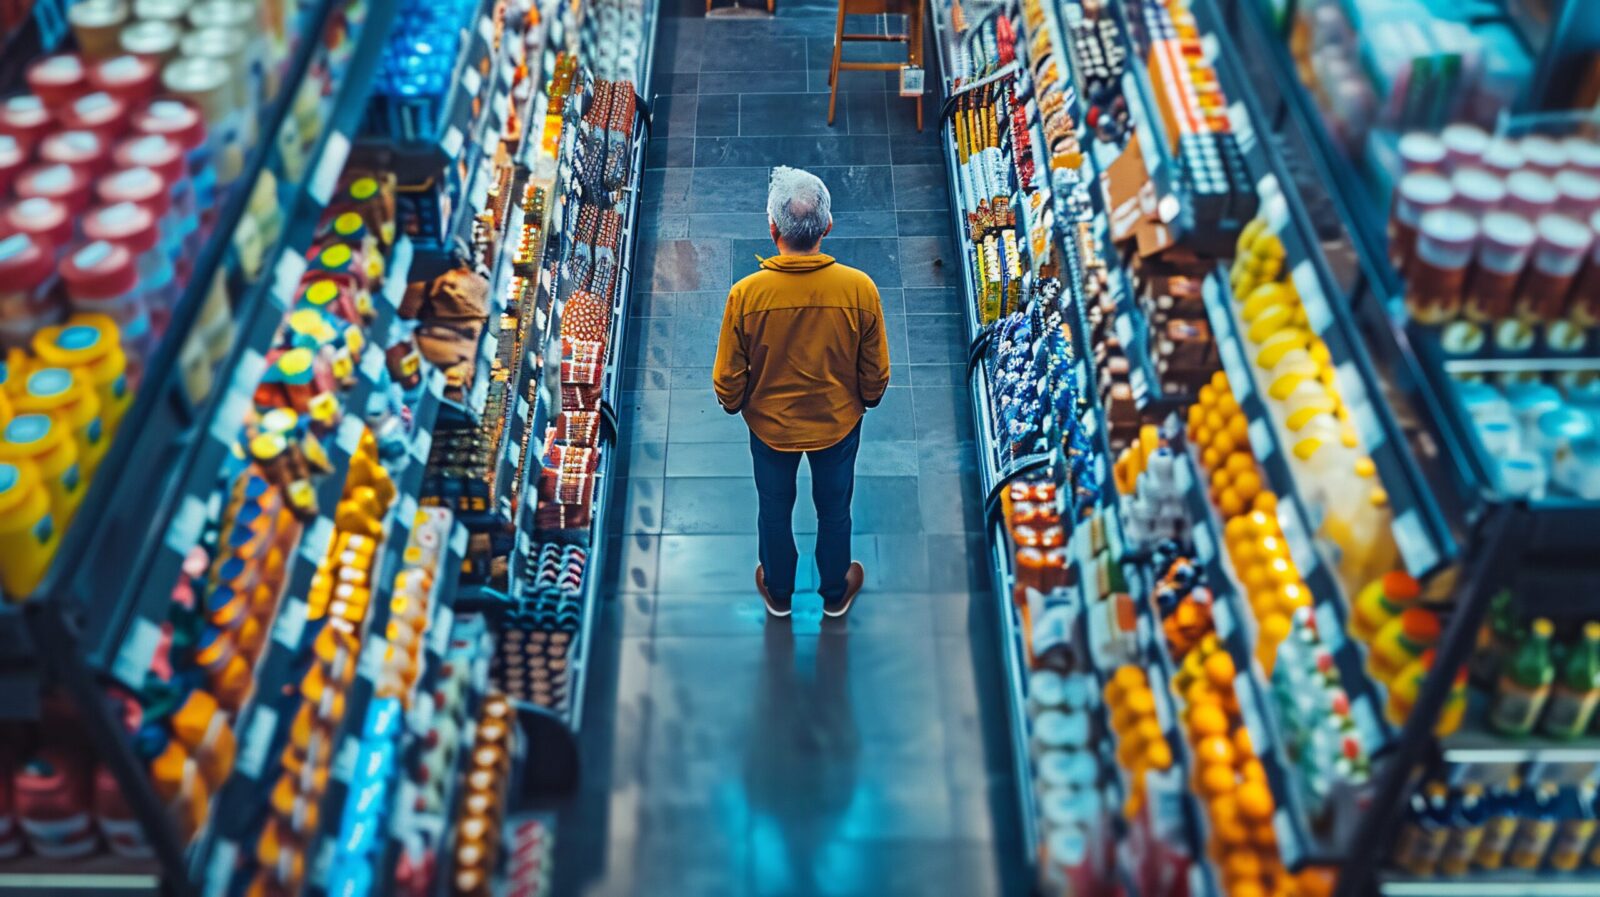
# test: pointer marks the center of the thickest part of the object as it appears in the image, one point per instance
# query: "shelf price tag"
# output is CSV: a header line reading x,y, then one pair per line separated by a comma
x,y
1243,128
1318,314
439,637
408,510
458,542
1204,550
344,760
286,276
397,276
1299,542
219,867
370,666
452,143
335,152
1416,549
1328,627
314,544
421,446
1261,439
1245,689
472,80
372,363
230,414
290,626
1222,616
137,654
1284,829
187,522
486,31
349,435
257,741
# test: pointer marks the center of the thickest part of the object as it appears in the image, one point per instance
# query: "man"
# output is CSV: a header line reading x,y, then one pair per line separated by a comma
x,y
803,354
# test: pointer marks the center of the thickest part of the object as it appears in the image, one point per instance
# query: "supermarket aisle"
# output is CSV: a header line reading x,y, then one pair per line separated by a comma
x,y
731,756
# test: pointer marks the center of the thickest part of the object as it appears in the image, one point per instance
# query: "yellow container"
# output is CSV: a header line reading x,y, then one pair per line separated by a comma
x,y
91,343
28,534
6,411
50,447
69,398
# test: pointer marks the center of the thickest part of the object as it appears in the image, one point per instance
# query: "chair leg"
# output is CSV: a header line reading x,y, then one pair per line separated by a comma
x,y
833,69
770,5
919,113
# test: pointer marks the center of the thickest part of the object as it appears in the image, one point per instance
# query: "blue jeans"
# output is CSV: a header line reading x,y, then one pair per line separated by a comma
x,y
833,482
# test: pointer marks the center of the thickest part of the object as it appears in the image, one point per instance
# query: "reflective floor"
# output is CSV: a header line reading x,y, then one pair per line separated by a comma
x,y
728,755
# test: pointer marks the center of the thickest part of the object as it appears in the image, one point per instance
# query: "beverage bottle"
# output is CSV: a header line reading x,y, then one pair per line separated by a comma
x,y
1455,706
1537,828
1524,683
1423,837
1576,829
1577,690
1468,819
1401,641
1381,601
1501,826
1496,640
1405,687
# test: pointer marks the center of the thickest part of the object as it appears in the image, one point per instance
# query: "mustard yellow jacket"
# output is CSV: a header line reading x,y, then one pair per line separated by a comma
x,y
803,351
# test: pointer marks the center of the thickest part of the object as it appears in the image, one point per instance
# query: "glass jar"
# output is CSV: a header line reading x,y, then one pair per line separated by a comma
x,y
1422,152
1530,194
164,156
1544,155
13,159
1437,273
1477,190
1502,255
1559,252
182,122
1578,194
99,112
95,25
1585,303
58,80
84,150
147,189
132,227
103,278
1418,194
26,299
44,219
56,181
1464,145
26,118
131,79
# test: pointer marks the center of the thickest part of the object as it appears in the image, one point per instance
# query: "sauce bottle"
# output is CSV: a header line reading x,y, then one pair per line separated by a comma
x,y
1469,818
1401,641
1455,706
50,447
1538,826
1524,683
1501,827
1576,829
28,533
1381,601
1577,690
1422,839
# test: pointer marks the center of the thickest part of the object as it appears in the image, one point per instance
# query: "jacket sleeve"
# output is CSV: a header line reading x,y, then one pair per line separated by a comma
x,y
872,358
731,372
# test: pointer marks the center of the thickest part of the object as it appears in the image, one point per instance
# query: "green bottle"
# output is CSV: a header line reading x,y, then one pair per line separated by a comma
x,y
1577,691
1524,683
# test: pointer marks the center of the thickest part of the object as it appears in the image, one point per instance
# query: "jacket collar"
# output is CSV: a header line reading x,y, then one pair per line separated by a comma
x,y
796,264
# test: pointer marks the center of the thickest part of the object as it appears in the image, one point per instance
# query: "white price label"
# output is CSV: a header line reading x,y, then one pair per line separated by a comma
x,y
1416,549
286,276
345,759
522,408
1277,211
408,510
1124,329
1245,689
219,867
1204,549
187,522
458,542
373,656
1139,383
439,637
1158,690
290,626
397,277
137,654
349,436
1328,628
1222,617
1288,844
236,402
421,445
314,544
257,741
322,863
435,382
486,31
421,719
1244,129
1295,536
371,364
472,80
1318,313
452,142
1183,475
1238,374
1366,720
1260,439
334,154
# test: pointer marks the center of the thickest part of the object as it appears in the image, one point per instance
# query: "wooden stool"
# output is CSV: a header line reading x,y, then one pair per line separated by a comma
x,y
911,9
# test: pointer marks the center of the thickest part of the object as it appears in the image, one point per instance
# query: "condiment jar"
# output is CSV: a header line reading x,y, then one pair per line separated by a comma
x,y
1422,152
151,39
164,155
49,446
70,399
99,112
26,118
148,190
58,80
1530,194
1585,302
1558,254
134,228
1476,190
91,344
1464,145
29,535
102,278
84,150
131,79
1437,274
1578,194
1503,252
44,219
26,303
62,183
95,24
204,82
182,122
1502,157
1543,154
1417,195
13,159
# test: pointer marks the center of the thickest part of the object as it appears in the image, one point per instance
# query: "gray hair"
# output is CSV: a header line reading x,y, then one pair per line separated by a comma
x,y
799,204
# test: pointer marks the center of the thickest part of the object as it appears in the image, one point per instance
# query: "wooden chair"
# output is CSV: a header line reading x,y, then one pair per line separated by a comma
x,y
912,38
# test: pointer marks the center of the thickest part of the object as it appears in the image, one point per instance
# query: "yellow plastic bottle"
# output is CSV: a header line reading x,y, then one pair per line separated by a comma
x,y
1381,601
69,398
91,343
50,447
1455,706
1401,641
1405,687
28,534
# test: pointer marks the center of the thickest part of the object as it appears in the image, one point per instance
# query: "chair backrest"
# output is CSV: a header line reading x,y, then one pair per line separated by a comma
x,y
880,7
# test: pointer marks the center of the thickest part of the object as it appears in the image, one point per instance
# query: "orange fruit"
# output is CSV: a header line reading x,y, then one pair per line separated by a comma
x,y
1241,865
1230,504
1247,889
1223,440
1293,596
1208,396
1158,755
1252,771
1255,802
1266,502
1215,749
1239,429
1263,836
1219,382
1239,462
1242,746
1283,571
1206,720
1247,483
1149,731
1210,457
1216,780
1220,670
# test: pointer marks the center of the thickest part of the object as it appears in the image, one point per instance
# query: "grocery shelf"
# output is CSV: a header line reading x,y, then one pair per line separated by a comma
x,y
1014,657
1511,883
103,875
114,523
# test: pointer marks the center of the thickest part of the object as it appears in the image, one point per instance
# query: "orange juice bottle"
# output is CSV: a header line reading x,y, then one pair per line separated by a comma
x,y
1401,641
1405,687
1381,601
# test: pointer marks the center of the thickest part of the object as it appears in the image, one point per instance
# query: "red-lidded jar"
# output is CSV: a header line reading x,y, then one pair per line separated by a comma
x,y
27,302
1464,145
165,156
1578,194
1543,154
1421,152
131,79
58,79
1503,251
146,188
86,151
102,277
1563,241
1477,190
13,158
1503,157
99,112
63,183
1437,273
1530,194
1586,295
132,226
1583,154
181,121
45,219
1417,195
26,118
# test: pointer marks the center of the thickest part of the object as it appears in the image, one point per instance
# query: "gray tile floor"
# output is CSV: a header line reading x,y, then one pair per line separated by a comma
x,y
725,755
